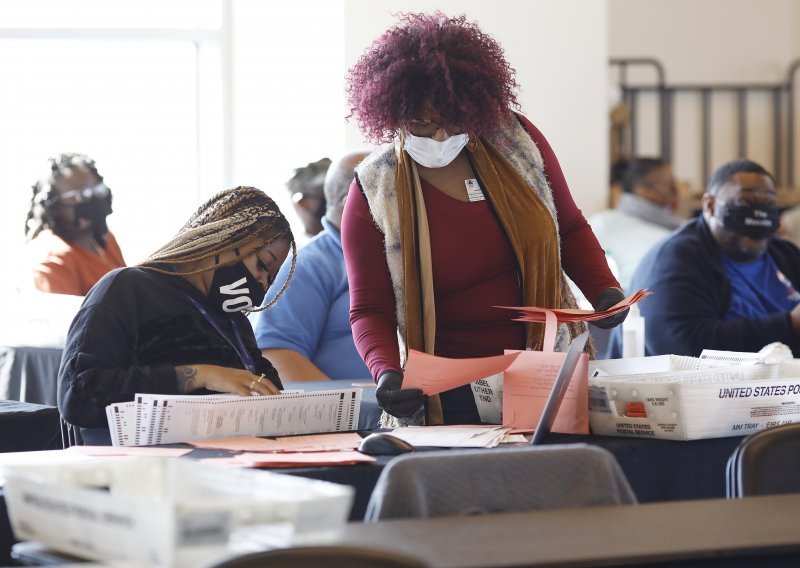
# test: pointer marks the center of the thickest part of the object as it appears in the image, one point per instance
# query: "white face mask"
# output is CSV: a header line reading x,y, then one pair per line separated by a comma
x,y
433,154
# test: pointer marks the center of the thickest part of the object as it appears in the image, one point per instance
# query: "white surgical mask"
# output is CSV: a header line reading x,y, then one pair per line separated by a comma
x,y
433,154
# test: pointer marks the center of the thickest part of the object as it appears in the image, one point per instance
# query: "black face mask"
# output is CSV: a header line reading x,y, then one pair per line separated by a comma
x,y
234,288
95,211
756,222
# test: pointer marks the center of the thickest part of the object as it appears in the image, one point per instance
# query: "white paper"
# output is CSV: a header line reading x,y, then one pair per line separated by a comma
x,y
164,419
453,436
488,394
655,364
713,358
122,423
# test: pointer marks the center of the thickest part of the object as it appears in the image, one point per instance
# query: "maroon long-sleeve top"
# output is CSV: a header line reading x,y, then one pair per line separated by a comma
x,y
474,268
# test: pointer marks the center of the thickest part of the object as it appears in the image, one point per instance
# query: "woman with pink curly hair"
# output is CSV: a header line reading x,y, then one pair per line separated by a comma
x,y
464,207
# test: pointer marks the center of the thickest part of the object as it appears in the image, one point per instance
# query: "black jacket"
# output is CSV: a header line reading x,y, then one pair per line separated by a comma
x,y
691,294
134,327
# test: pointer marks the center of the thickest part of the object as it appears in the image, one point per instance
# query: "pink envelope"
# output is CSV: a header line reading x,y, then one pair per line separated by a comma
x,y
528,380
433,375
526,386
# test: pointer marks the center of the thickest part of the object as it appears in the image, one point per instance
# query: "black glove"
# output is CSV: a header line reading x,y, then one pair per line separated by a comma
x,y
605,300
400,403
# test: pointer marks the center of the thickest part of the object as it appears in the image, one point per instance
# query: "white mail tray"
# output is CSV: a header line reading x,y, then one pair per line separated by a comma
x,y
695,404
166,512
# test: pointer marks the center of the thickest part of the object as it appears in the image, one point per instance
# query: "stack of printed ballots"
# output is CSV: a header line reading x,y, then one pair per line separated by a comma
x,y
165,419
457,436
686,398
538,315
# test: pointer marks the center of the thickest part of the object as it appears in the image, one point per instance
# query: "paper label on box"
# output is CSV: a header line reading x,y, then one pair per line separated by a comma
x,y
598,400
740,408
201,528
488,393
640,429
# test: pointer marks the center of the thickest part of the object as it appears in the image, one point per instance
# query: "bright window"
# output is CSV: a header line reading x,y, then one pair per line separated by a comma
x,y
174,99
145,102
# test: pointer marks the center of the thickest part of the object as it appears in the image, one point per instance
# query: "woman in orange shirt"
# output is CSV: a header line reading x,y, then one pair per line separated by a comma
x,y
69,245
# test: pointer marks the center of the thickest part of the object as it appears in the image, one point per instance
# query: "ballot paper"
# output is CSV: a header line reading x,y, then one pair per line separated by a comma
x,y
537,315
127,451
336,441
164,419
453,436
303,459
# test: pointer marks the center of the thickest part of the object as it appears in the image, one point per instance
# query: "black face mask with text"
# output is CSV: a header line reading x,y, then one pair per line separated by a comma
x,y
234,288
756,222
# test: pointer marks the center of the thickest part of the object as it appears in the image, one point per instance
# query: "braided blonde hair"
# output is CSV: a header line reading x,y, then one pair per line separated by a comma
x,y
231,219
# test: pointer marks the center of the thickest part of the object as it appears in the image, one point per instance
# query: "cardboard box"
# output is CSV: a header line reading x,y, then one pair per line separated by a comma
x,y
166,512
677,403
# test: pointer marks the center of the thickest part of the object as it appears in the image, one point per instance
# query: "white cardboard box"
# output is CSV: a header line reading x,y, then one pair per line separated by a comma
x,y
680,404
166,512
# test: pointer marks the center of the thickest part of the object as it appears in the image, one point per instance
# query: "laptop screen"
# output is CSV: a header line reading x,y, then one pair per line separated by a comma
x,y
559,389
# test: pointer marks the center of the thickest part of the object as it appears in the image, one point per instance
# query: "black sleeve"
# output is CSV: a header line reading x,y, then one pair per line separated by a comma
x,y
265,367
98,368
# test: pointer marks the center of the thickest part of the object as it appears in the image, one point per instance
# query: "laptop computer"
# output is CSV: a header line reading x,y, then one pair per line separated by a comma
x,y
559,389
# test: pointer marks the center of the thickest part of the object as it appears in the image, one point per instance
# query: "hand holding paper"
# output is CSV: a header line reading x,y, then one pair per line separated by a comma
x,y
396,397
607,299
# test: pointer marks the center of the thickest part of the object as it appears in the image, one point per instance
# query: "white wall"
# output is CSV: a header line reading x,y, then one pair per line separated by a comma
x,y
287,91
710,41
559,49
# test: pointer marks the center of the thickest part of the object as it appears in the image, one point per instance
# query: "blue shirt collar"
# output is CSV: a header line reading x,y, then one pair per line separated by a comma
x,y
329,227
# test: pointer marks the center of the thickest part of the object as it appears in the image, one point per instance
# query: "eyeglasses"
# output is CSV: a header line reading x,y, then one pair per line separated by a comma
x,y
423,128
427,128
99,191
299,196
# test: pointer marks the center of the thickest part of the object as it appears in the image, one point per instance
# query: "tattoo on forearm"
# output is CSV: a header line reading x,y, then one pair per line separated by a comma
x,y
187,378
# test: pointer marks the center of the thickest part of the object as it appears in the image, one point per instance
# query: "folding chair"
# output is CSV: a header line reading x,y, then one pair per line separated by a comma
x,y
433,484
316,556
766,463
70,435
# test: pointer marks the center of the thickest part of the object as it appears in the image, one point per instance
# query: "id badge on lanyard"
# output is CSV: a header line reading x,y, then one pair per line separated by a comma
x,y
238,345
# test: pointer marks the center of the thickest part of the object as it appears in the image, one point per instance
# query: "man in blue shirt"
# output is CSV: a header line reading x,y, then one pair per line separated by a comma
x,y
723,281
307,335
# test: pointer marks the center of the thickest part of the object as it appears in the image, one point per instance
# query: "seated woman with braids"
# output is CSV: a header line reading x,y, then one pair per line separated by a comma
x,y
69,245
176,323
